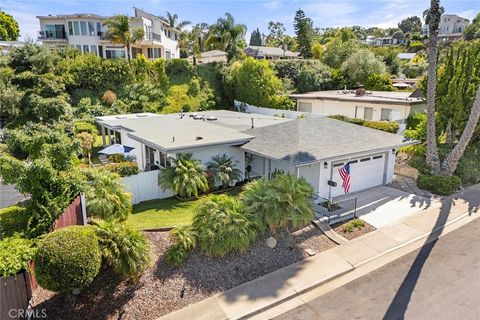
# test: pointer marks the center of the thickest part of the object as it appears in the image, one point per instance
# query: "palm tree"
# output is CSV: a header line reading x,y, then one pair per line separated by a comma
x,y
224,170
276,202
106,197
433,18
222,226
172,20
124,248
185,177
226,35
119,31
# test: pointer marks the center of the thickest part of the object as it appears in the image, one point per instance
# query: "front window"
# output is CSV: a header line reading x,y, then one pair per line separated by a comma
x,y
85,48
99,28
168,54
368,114
54,31
386,114
91,28
83,28
93,49
76,28
114,53
70,28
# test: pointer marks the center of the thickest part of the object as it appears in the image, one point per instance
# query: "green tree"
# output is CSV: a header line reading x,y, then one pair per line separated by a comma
x,y
255,38
473,30
337,51
360,65
317,51
9,30
120,31
276,34
304,31
224,170
185,176
379,82
255,82
227,35
280,200
411,24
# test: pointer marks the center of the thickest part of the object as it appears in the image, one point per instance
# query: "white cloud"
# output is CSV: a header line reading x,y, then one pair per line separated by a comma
x,y
468,14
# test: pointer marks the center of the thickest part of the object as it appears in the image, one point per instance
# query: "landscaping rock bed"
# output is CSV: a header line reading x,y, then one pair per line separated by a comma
x,y
356,232
163,289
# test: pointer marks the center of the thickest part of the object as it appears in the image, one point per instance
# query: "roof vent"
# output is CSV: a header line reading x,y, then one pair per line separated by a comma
x,y
360,91
142,115
211,118
121,117
198,117
368,92
198,138
193,115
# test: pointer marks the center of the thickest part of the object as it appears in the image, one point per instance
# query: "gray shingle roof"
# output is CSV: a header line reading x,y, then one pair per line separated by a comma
x,y
272,51
304,141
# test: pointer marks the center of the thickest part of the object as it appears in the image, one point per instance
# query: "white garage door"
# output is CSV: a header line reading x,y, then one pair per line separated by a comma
x,y
365,172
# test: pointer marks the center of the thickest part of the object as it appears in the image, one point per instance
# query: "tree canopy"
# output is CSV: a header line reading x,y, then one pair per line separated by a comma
x,y
9,30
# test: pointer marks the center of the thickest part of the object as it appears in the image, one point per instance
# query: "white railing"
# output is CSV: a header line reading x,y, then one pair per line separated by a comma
x,y
144,186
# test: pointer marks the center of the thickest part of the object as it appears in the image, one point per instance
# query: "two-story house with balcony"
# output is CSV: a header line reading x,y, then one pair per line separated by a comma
x,y
451,27
87,33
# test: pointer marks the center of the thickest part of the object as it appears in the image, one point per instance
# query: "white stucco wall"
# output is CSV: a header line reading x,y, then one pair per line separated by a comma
x,y
347,108
311,173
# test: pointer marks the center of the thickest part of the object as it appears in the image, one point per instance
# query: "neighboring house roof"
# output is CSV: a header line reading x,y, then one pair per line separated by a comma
x,y
390,97
271,51
401,85
171,132
303,141
406,56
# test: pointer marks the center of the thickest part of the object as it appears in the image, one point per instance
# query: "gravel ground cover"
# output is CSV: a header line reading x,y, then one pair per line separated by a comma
x,y
163,289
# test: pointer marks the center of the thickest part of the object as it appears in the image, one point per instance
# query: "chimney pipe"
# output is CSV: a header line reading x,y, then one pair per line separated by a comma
x,y
253,125
360,91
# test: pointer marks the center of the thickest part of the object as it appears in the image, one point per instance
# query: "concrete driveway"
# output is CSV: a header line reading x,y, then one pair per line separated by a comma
x,y
9,195
380,206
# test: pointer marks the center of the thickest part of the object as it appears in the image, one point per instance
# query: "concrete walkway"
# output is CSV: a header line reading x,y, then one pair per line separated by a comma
x,y
284,284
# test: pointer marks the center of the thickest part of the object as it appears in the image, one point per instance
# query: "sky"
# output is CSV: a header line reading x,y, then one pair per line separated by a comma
x,y
253,13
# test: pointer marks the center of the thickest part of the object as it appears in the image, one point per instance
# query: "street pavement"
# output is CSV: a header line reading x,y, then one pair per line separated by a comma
x,y
438,281
9,195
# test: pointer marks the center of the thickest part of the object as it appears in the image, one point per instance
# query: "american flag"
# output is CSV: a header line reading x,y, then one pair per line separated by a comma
x,y
345,175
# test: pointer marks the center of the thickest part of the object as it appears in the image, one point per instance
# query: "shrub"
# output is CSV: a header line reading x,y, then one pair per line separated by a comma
x,y
387,126
116,158
67,259
109,97
82,126
347,228
183,240
13,219
280,200
15,252
469,167
357,223
126,250
419,163
441,185
124,169
222,227
175,67
185,177
379,82
224,170
106,197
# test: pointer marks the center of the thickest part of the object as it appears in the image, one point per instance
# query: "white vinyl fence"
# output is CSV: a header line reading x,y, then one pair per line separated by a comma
x,y
144,186
289,114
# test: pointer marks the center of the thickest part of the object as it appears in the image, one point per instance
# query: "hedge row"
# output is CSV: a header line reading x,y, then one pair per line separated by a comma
x,y
441,185
387,126
124,169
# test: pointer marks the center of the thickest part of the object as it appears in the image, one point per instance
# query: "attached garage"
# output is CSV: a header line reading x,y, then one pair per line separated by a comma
x,y
365,172
316,148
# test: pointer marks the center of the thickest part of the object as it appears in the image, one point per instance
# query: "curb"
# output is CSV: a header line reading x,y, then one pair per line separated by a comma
x,y
305,290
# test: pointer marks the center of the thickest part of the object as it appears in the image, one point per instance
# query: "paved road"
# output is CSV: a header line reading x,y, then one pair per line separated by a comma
x,y
9,195
439,281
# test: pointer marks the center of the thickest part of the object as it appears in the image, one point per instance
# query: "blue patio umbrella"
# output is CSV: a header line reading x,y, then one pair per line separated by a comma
x,y
116,149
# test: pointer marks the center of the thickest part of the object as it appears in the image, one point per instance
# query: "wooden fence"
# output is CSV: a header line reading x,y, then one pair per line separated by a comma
x,y
15,293
16,290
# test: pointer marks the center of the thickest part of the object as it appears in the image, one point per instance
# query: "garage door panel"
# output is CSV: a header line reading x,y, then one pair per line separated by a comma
x,y
365,172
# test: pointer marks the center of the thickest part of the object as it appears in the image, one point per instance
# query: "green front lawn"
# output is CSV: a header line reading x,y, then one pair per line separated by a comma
x,y
161,213
169,212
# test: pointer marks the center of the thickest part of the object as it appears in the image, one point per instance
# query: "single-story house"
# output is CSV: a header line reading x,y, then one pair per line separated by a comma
x,y
406,56
270,53
313,148
361,104
210,56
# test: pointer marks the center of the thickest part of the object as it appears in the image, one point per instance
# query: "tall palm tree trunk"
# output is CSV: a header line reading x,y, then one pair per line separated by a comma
x,y
450,163
432,158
